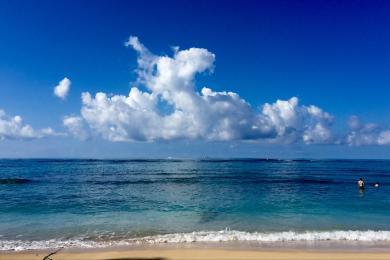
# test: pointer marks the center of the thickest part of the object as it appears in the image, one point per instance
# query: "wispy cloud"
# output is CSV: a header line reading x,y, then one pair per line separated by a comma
x,y
366,133
76,126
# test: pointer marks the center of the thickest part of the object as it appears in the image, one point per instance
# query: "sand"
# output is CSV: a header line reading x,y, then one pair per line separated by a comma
x,y
175,254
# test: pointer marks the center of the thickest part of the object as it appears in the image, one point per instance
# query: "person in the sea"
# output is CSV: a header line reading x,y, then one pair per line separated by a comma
x,y
376,185
361,184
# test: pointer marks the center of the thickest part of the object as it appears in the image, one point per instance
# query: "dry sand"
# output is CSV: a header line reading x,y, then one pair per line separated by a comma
x,y
194,254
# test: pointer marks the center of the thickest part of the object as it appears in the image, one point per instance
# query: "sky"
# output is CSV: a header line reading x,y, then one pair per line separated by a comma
x,y
194,79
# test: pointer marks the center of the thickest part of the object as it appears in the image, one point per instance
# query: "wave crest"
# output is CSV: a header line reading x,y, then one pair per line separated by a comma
x,y
203,236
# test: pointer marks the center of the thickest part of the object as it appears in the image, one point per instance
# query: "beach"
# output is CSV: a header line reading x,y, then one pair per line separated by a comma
x,y
176,254
324,250
209,129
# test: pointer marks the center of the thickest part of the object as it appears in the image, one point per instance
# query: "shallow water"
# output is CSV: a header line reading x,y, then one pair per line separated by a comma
x,y
44,203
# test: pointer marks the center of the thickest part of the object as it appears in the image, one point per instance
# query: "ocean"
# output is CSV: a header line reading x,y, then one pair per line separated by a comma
x,y
47,203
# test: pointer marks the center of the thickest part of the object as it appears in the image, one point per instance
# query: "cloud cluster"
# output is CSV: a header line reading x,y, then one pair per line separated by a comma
x,y
171,107
14,128
165,104
62,89
366,133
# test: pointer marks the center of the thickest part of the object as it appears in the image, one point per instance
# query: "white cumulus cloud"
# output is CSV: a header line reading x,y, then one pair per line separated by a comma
x,y
294,122
171,107
15,128
62,89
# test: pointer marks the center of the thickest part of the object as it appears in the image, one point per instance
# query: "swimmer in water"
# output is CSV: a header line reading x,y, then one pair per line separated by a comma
x,y
361,184
376,185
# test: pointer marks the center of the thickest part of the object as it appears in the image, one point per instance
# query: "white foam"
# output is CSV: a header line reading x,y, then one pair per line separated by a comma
x,y
203,236
225,236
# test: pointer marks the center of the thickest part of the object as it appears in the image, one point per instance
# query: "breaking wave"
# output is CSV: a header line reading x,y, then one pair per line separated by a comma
x,y
202,236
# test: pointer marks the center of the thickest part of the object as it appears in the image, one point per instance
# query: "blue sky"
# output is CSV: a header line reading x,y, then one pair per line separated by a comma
x,y
334,55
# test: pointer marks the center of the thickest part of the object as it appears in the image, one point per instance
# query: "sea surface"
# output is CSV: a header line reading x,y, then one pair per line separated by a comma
x,y
97,203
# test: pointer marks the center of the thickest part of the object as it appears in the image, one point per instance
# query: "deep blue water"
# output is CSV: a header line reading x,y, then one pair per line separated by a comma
x,y
104,200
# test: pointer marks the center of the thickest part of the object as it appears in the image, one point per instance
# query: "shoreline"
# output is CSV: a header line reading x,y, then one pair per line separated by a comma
x,y
309,240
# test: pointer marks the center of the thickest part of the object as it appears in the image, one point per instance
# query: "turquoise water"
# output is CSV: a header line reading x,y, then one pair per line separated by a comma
x,y
92,203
